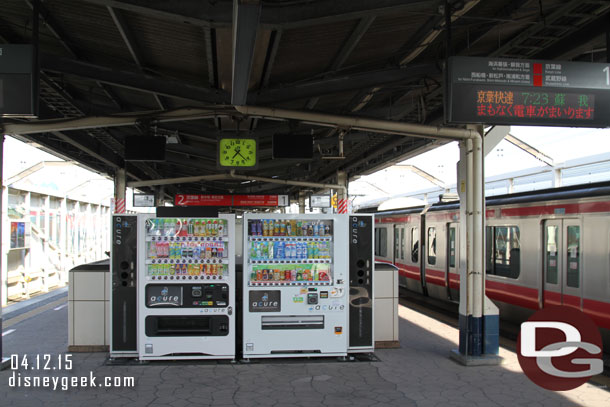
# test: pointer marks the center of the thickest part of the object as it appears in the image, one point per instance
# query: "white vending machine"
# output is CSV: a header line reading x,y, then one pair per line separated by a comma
x,y
186,288
295,285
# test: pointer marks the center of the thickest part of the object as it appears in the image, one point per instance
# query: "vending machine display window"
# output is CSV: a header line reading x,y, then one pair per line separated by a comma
x,y
290,252
187,249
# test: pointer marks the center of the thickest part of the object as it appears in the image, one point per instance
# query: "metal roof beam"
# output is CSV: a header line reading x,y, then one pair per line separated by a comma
x,y
346,50
533,151
577,42
342,84
130,42
132,80
246,15
220,13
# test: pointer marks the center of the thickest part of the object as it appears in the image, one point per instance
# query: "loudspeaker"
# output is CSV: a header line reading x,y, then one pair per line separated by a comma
x,y
124,287
361,265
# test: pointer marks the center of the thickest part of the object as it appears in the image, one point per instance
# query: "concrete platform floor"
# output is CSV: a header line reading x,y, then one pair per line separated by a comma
x,y
420,374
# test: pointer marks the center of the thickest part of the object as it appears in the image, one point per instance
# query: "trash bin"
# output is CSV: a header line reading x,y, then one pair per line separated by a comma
x,y
385,293
89,307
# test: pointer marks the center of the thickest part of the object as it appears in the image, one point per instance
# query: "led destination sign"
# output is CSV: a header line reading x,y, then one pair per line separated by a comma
x,y
501,91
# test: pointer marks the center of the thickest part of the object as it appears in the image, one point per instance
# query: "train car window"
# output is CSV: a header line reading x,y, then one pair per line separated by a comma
x,y
552,272
452,247
503,251
383,242
396,242
573,274
414,245
432,246
402,243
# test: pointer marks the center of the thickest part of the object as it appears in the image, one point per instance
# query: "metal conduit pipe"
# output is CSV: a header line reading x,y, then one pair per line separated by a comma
x,y
287,182
181,180
359,123
92,122
232,175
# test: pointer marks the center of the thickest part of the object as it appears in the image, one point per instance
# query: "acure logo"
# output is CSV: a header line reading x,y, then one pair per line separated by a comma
x,y
560,348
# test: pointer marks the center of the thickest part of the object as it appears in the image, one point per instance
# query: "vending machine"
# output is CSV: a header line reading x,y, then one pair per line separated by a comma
x,y
295,285
186,288
123,287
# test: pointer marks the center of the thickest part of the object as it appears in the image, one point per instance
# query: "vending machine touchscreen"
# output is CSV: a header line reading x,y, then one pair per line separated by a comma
x,y
295,285
187,288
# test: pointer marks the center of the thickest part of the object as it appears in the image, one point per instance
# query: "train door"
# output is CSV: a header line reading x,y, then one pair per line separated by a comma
x,y
562,263
453,273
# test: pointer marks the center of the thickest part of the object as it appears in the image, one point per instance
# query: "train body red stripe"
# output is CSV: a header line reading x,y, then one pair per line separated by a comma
x,y
435,277
567,208
599,311
525,297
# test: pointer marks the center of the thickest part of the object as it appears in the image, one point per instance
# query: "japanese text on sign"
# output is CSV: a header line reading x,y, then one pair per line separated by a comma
x,y
532,105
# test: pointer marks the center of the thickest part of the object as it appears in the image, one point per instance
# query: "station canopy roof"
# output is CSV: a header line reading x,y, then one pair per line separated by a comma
x,y
378,59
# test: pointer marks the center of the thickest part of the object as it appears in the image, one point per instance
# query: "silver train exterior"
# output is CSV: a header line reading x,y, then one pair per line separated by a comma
x,y
543,248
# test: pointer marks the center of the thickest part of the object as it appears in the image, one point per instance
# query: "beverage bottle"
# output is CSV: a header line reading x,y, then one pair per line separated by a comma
x,y
253,251
309,229
177,231
215,228
265,227
270,227
221,227
327,230
271,253
288,229
315,229
214,252
276,228
316,251
252,228
208,232
221,251
190,228
282,228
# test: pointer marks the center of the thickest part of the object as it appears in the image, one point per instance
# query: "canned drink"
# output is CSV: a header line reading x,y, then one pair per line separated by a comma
x,y
259,275
265,275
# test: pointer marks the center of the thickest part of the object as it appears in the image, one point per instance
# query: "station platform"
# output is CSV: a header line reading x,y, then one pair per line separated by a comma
x,y
420,374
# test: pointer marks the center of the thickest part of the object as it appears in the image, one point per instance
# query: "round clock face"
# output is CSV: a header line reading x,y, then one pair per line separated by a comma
x,y
237,152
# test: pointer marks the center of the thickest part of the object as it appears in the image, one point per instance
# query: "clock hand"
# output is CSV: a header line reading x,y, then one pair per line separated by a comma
x,y
236,152
241,155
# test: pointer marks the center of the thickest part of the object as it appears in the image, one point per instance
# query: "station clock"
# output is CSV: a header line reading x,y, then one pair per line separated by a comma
x,y
237,152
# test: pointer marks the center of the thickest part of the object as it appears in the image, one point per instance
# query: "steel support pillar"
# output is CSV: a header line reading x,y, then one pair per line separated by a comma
x,y
4,362
342,193
478,316
120,187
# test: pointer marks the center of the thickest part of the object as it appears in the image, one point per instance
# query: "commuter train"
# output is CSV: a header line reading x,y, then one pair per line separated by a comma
x,y
546,247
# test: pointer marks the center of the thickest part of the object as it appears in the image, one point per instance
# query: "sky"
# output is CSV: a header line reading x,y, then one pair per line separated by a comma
x,y
560,143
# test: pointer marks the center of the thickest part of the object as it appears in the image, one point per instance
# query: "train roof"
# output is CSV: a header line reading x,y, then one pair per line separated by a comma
x,y
550,194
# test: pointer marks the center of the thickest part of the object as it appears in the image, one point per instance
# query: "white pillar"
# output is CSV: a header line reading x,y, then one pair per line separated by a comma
x,y
301,202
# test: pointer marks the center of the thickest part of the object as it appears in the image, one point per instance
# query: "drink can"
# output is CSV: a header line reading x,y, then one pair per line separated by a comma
x,y
252,228
259,228
276,275
259,275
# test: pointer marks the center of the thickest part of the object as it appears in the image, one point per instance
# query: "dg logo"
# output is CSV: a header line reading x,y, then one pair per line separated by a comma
x,y
560,348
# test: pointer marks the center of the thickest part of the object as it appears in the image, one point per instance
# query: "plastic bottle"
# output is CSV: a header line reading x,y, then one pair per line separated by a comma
x,y
315,229
288,228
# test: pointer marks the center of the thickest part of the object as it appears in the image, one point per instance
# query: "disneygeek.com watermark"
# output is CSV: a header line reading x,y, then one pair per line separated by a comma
x,y
23,365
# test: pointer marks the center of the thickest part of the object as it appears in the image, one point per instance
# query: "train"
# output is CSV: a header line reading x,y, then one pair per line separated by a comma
x,y
542,248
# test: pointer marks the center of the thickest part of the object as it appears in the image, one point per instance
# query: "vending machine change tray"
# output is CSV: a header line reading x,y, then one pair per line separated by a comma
x,y
187,325
292,322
